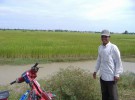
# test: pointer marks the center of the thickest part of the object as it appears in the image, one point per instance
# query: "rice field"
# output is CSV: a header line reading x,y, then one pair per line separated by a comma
x,y
56,46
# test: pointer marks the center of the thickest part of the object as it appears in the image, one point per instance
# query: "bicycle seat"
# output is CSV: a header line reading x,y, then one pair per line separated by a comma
x,y
4,94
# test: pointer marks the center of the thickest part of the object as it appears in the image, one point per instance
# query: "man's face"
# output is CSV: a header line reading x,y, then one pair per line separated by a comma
x,y
105,39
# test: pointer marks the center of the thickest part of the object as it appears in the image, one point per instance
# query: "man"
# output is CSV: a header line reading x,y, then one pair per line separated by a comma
x,y
110,66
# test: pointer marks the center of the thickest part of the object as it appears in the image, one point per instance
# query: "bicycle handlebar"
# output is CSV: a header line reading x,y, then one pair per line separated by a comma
x,y
12,82
35,64
32,67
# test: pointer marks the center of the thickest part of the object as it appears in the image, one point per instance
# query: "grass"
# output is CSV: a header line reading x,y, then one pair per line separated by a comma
x,y
49,46
19,47
76,84
125,44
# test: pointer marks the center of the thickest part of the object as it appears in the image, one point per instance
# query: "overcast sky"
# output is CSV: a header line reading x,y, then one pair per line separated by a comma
x,y
82,15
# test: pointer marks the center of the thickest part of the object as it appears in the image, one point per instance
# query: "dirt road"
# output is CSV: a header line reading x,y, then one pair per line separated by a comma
x,y
10,73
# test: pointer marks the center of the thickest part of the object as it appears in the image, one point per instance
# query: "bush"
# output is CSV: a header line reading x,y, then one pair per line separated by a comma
x,y
127,80
74,84
126,86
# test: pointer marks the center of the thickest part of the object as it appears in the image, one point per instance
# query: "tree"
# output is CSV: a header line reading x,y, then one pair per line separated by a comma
x,y
126,32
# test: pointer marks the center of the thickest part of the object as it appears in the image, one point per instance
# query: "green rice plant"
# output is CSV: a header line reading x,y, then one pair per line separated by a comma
x,y
58,46
126,44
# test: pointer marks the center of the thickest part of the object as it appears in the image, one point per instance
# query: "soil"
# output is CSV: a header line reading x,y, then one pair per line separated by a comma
x,y
9,73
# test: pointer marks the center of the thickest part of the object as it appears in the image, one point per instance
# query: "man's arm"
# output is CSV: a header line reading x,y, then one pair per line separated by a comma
x,y
118,63
97,66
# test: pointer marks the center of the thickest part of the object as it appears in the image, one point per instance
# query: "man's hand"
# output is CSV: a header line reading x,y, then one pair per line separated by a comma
x,y
94,75
116,78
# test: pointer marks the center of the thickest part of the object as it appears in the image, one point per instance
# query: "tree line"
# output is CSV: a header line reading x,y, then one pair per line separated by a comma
x,y
60,30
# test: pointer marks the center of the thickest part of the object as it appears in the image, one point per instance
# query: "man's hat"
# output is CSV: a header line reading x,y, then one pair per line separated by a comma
x,y
105,32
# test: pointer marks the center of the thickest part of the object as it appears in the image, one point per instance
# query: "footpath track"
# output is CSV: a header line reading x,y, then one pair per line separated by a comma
x,y
9,73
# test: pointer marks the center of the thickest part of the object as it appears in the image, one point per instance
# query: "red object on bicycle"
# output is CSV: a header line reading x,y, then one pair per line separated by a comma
x,y
36,93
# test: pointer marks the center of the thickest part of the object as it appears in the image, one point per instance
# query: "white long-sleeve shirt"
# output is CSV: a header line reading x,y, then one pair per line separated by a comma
x,y
109,62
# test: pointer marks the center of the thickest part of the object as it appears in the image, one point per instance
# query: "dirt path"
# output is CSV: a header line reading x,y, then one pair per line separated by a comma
x,y
10,73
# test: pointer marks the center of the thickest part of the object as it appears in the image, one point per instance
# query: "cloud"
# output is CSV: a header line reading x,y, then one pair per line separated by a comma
x,y
107,9
66,13
83,9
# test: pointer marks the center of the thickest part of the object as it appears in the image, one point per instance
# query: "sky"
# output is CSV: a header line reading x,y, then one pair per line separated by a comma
x,y
79,15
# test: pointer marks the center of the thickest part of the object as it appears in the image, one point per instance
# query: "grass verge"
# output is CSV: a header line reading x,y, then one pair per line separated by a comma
x,y
77,84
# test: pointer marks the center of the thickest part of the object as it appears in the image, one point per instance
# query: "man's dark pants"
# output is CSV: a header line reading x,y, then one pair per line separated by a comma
x,y
109,90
